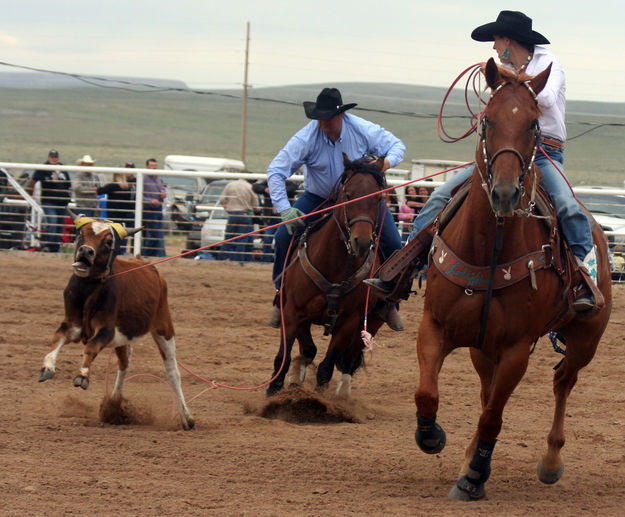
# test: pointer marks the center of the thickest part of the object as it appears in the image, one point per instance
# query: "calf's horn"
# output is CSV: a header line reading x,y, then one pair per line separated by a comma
x,y
132,231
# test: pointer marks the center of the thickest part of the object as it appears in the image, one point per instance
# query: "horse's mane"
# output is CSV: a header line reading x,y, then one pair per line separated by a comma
x,y
510,75
365,166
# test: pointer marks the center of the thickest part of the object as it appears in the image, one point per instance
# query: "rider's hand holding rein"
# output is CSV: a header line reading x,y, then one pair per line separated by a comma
x,y
292,213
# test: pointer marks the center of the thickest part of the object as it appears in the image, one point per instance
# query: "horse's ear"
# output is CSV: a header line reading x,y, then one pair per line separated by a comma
x,y
491,71
538,83
346,160
379,163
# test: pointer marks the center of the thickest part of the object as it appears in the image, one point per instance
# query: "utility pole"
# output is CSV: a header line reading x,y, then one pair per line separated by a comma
x,y
245,86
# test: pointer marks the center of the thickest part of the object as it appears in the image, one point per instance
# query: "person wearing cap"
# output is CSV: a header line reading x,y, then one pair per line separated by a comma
x,y
55,195
520,47
86,185
319,147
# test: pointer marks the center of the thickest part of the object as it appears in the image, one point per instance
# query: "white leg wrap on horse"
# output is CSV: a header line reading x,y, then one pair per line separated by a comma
x,y
344,387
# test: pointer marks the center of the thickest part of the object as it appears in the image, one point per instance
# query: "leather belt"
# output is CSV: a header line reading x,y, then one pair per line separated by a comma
x,y
553,142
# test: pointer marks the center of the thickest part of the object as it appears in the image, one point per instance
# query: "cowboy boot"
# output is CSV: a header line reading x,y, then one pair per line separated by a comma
x,y
393,279
390,315
393,319
587,294
275,318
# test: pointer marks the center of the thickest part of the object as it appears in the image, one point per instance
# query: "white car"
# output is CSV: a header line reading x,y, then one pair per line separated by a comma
x,y
609,212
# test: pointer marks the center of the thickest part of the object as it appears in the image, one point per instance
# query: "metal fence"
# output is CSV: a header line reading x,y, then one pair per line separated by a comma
x,y
192,216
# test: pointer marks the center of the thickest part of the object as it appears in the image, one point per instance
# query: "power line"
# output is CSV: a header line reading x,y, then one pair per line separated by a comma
x,y
126,85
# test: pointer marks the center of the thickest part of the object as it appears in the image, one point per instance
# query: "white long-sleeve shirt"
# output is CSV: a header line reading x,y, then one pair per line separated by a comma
x,y
552,100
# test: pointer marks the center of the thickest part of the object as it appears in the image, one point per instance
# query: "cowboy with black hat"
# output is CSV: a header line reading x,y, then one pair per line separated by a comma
x,y
519,47
319,147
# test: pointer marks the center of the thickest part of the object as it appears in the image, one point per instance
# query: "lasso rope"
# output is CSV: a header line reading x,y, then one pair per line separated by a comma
x,y
472,80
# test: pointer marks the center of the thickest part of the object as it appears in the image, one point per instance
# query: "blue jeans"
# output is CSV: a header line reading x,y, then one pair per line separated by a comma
x,y
390,240
267,243
573,222
241,249
153,235
53,227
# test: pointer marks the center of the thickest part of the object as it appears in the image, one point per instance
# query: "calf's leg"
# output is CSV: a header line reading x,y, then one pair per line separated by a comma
x,y
167,347
65,333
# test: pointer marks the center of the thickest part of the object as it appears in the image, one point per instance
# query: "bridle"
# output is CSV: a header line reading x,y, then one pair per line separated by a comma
x,y
345,228
489,160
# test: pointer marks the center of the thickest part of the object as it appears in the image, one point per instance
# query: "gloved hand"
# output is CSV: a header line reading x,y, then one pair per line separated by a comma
x,y
292,213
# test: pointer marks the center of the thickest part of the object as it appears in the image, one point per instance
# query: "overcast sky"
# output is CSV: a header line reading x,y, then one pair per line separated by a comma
x,y
202,42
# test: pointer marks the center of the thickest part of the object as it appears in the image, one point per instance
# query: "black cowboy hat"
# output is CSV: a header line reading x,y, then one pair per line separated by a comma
x,y
329,104
513,24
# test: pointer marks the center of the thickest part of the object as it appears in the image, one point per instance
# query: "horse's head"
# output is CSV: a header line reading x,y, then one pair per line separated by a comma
x,y
358,219
510,134
97,245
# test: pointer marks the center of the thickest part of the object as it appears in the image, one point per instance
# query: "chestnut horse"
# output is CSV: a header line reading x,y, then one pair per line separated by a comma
x,y
323,282
502,325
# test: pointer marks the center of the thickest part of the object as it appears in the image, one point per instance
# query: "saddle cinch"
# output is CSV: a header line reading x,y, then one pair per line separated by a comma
x,y
428,243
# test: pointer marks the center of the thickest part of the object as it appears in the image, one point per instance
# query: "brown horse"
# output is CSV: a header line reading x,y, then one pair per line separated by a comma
x,y
323,282
528,297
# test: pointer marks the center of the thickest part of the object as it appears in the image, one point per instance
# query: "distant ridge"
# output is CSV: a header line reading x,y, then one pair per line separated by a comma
x,y
395,97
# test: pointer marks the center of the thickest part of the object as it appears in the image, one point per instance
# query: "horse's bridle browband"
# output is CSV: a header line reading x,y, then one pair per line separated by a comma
x,y
489,161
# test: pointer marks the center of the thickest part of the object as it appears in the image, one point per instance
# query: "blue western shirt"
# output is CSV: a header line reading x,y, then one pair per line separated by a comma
x,y
323,159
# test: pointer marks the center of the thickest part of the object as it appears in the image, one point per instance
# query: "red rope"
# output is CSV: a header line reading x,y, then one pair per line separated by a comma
x,y
377,245
473,71
264,228
214,384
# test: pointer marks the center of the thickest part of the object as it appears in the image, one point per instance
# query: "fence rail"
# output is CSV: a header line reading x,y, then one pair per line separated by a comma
x,y
192,216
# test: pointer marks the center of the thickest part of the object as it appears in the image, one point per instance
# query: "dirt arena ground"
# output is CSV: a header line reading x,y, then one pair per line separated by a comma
x,y
58,458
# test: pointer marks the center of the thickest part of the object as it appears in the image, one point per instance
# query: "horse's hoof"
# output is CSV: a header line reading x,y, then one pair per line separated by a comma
x,y
432,440
321,388
46,374
464,490
549,477
189,425
272,389
458,495
80,381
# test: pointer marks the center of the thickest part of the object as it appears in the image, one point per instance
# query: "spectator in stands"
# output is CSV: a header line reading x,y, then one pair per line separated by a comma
x,y
241,203
86,185
154,195
55,195
120,198
414,200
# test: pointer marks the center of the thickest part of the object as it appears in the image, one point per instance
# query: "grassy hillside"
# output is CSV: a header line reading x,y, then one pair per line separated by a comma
x,y
116,125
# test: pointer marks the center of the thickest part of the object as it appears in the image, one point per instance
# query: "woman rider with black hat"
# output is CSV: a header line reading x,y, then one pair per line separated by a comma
x,y
519,47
